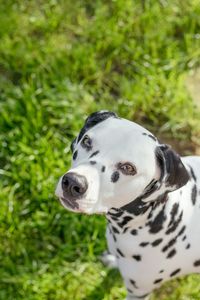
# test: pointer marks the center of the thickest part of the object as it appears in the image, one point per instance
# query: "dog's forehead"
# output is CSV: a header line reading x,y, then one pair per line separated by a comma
x,y
122,139
118,130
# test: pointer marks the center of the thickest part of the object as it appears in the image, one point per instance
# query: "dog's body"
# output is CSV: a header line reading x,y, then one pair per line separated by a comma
x,y
150,196
162,243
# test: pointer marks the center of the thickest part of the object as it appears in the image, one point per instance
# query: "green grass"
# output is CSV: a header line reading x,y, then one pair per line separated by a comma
x,y
59,61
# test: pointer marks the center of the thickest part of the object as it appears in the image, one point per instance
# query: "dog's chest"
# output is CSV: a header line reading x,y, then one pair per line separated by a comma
x,y
166,235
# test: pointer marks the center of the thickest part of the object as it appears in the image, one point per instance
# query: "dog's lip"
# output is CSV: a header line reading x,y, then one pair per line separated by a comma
x,y
71,204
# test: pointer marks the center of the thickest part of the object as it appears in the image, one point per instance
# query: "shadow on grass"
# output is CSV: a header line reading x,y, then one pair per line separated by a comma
x,y
112,278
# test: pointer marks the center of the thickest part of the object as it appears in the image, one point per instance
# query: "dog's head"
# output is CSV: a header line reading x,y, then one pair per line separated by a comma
x,y
114,162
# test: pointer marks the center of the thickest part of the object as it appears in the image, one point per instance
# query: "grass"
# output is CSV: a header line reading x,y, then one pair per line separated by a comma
x,y
59,61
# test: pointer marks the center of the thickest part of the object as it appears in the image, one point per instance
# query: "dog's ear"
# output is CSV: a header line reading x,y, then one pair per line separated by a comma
x,y
173,172
94,119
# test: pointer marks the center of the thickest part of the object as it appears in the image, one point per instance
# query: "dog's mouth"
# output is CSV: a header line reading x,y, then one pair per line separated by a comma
x,y
85,206
69,203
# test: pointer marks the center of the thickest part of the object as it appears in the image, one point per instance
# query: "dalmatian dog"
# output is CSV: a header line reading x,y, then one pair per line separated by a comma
x,y
149,195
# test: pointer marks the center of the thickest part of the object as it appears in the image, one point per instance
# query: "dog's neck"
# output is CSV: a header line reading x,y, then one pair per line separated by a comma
x,y
135,214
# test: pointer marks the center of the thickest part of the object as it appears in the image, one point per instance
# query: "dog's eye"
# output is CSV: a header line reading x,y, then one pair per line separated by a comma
x,y
86,142
127,168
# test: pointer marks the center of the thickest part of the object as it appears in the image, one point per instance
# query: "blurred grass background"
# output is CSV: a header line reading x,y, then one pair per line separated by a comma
x,y
59,61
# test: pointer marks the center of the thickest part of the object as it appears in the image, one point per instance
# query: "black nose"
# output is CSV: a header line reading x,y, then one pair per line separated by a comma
x,y
74,185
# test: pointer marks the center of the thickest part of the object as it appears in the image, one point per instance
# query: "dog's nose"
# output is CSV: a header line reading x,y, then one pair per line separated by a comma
x,y
74,185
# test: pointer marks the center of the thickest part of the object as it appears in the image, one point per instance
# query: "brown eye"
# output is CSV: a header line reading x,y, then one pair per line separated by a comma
x,y
127,168
86,142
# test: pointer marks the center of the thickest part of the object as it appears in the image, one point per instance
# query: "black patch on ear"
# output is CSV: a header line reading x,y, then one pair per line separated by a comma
x,y
94,119
171,166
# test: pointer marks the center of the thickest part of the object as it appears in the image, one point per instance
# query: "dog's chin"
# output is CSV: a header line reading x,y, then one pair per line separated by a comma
x,y
81,206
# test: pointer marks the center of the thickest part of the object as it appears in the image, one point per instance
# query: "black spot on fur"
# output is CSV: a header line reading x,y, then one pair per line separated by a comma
x,y
194,194
133,283
175,224
161,271
173,241
134,232
170,244
125,221
197,263
192,173
115,176
114,218
150,135
137,257
157,224
157,242
171,253
183,239
150,188
114,238
173,213
117,213
75,155
175,272
94,153
136,207
158,280
120,253
188,246
144,244
93,162
125,229
115,230
103,169
129,290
